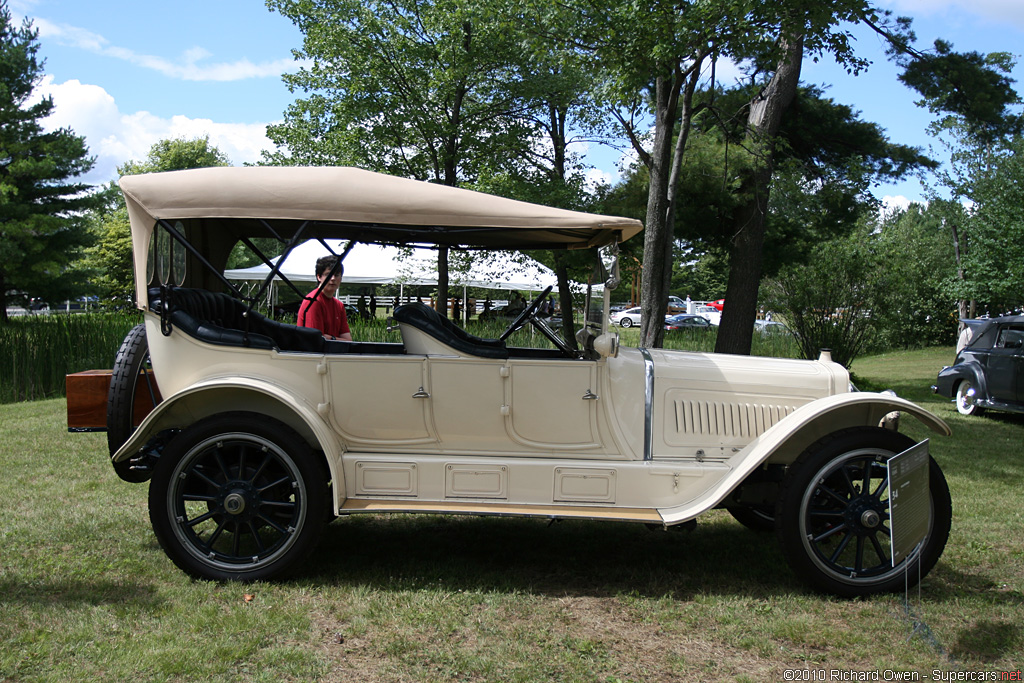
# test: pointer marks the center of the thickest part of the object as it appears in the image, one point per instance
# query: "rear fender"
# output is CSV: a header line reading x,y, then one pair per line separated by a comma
x,y
791,436
950,377
213,395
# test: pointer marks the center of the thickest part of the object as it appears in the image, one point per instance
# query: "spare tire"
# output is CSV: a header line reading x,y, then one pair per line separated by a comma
x,y
131,360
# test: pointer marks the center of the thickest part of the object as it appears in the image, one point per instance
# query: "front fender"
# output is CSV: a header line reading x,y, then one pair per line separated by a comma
x,y
210,397
785,441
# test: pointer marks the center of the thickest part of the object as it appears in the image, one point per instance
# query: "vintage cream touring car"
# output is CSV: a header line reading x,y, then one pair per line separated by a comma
x,y
263,431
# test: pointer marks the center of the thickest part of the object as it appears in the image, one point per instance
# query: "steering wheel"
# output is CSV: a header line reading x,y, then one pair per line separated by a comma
x,y
529,314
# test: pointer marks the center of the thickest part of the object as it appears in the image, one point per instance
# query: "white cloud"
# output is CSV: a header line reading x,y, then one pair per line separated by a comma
x,y
892,203
595,178
1001,11
114,137
188,67
20,8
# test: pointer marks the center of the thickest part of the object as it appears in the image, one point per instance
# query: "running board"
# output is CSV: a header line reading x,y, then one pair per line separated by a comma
x,y
648,515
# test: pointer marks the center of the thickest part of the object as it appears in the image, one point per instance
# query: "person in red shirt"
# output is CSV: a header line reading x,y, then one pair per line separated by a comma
x,y
325,312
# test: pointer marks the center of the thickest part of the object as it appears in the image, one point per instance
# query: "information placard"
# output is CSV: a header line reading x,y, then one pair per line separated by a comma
x,y
909,500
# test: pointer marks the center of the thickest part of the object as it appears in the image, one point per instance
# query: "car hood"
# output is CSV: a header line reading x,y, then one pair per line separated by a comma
x,y
800,381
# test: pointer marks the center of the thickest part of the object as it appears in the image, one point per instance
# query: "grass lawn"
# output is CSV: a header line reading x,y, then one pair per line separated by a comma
x,y
86,594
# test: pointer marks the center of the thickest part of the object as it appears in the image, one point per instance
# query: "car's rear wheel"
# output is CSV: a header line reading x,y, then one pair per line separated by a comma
x,y
238,496
626,322
833,515
965,399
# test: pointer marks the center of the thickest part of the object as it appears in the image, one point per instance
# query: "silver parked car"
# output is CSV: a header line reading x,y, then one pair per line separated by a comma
x,y
627,318
263,431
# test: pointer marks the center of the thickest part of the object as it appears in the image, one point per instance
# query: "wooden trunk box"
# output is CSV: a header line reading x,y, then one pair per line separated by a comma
x,y
87,393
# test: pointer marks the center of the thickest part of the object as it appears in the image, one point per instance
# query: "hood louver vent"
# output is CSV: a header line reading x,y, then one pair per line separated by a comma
x,y
727,420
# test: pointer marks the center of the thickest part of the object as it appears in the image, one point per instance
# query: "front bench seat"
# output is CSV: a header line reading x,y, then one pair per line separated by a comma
x,y
429,321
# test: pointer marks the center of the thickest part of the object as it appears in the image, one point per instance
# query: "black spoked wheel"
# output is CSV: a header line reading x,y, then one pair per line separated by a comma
x,y
755,517
132,360
237,497
833,515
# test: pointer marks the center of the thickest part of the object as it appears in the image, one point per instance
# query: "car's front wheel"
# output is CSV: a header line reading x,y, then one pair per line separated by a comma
x,y
237,496
966,399
833,515
626,322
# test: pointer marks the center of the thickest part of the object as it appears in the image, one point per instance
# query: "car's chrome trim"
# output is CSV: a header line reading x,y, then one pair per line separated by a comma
x,y
648,404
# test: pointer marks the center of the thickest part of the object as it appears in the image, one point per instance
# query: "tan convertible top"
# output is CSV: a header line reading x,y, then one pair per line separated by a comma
x,y
357,204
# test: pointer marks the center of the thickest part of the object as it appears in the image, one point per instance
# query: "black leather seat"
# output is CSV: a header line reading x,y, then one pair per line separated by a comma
x,y
426,319
218,318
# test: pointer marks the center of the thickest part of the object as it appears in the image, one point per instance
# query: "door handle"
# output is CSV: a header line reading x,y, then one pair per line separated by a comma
x,y
589,396
421,394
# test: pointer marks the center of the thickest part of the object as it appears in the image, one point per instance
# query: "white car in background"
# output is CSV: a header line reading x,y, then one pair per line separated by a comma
x,y
626,318
713,315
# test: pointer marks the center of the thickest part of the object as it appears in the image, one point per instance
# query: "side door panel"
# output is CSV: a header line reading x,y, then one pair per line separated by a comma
x,y
466,398
553,405
380,402
1003,364
523,407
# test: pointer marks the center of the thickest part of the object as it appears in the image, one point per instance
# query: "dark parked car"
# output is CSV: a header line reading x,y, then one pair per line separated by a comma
x,y
686,322
989,372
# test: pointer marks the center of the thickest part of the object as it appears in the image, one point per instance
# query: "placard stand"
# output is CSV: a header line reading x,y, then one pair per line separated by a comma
x,y
909,511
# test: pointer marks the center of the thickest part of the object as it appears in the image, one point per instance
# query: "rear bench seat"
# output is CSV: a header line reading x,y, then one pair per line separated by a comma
x,y
218,318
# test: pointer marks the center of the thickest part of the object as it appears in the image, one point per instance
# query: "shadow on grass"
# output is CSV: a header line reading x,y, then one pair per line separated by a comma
x,y
579,559
575,558
69,593
946,582
988,641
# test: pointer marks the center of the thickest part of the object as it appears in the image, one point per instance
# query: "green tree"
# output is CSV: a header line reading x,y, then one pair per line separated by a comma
x,y
177,154
881,287
913,305
979,122
827,301
42,227
993,267
787,32
647,60
827,159
560,112
111,257
427,90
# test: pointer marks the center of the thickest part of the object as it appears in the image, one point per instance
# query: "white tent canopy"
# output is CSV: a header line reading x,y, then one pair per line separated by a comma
x,y
377,264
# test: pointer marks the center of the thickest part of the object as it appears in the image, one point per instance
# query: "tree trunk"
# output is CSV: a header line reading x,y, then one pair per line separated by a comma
x,y
964,307
442,280
745,254
3,300
565,300
657,269
736,331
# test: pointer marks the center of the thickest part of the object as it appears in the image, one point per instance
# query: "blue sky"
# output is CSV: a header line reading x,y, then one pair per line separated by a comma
x,y
125,75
